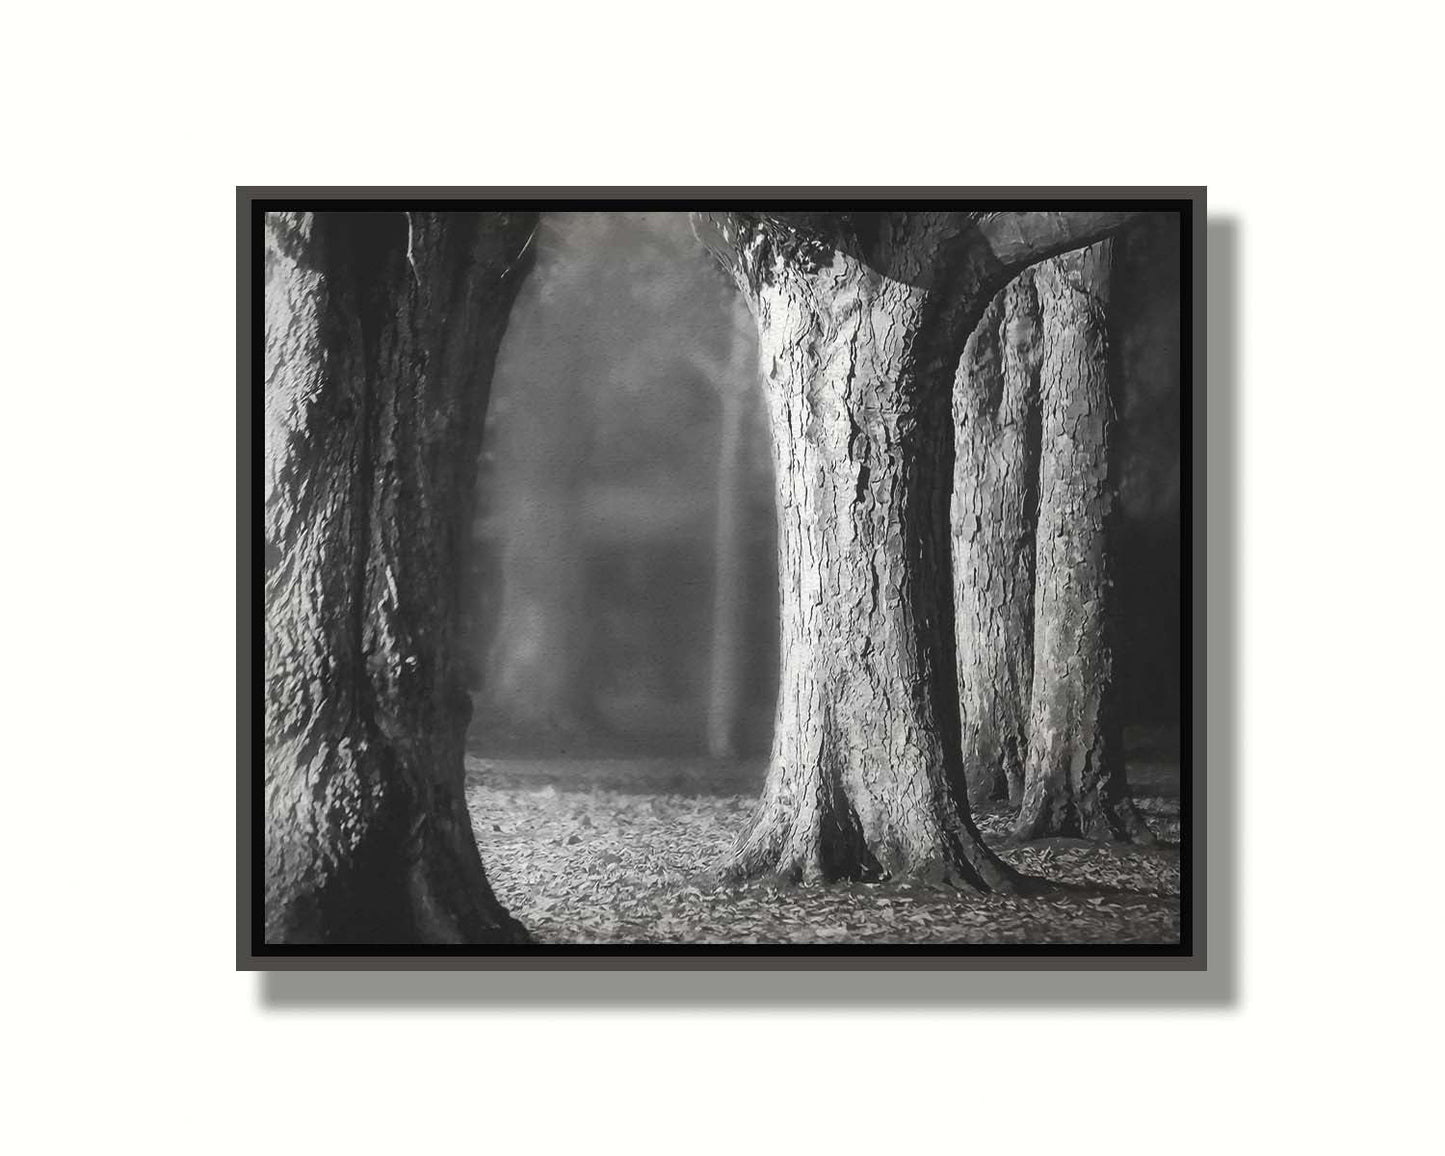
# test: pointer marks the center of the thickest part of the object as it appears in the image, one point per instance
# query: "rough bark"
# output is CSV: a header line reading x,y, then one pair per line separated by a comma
x,y
995,497
1074,781
381,332
862,320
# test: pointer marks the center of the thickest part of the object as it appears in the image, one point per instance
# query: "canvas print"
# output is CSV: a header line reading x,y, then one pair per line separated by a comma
x,y
734,578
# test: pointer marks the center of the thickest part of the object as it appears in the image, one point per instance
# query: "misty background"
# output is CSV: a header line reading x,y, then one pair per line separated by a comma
x,y
622,592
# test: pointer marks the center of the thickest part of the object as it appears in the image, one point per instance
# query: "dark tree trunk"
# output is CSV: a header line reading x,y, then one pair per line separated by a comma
x,y
381,333
1074,780
995,498
862,319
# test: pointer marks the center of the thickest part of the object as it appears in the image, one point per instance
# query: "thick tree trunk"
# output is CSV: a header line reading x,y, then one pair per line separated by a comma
x,y
865,753
862,319
995,498
381,333
1074,781
865,760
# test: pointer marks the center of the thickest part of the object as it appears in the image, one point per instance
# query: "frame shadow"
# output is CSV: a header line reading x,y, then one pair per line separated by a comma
x,y
976,985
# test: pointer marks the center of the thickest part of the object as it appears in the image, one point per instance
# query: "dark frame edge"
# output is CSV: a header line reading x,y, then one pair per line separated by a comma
x,y
246,959
1198,586
1190,957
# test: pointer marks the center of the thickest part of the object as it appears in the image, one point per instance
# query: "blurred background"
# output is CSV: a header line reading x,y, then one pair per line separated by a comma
x,y
623,591
624,584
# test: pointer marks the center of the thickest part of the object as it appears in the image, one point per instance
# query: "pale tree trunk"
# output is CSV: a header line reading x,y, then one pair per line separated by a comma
x,y
1074,778
995,496
861,320
381,333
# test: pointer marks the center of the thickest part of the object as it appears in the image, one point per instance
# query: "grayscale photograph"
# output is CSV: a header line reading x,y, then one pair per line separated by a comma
x,y
785,576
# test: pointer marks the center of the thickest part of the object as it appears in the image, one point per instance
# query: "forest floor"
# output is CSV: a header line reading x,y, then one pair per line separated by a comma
x,y
621,851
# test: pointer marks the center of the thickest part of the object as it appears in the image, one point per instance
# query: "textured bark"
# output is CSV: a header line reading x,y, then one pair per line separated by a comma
x,y
1074,783
862,320
381,332
995,497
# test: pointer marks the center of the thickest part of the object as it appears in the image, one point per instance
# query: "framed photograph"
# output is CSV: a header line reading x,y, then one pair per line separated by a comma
x,y
699,578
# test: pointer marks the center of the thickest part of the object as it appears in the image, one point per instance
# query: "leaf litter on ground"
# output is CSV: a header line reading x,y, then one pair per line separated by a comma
x,y
607,866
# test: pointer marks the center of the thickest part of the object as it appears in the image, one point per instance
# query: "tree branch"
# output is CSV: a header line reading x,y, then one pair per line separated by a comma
x,y
1001,245
973,254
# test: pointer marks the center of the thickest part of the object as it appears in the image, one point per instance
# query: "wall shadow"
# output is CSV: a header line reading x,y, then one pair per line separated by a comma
x,y
1220,572
536,984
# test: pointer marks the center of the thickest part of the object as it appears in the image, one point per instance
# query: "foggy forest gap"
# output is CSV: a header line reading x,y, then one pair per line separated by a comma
x,y
625,567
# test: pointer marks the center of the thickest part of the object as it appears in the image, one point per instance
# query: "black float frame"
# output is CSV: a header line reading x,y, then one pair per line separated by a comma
x,y
252,953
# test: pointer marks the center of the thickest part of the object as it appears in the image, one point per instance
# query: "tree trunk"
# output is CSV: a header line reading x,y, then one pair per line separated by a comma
x,y
865,753
862,774
381,333
1074,783
995,499
862,318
